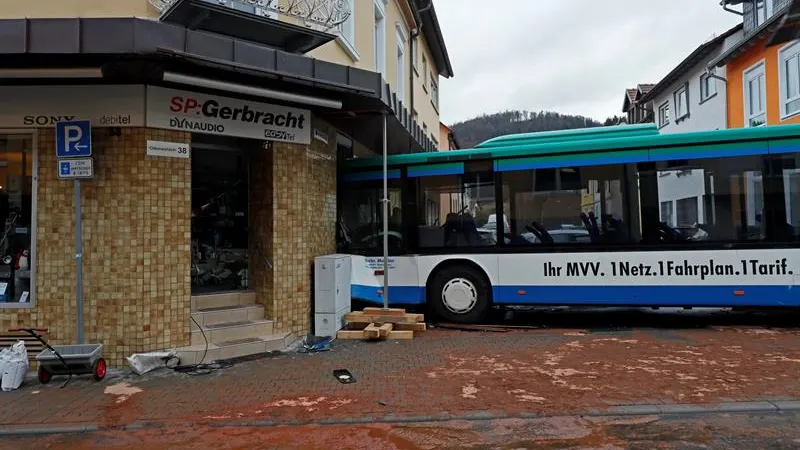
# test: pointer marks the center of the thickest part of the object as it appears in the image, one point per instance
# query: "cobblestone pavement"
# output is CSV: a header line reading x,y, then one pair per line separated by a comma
x,y
686,432
441,376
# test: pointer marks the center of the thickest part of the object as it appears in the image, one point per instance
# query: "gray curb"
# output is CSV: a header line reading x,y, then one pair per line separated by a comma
x,y
616,411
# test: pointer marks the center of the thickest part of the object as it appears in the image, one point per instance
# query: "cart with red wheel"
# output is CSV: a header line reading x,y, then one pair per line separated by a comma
x,y
78,359
67,359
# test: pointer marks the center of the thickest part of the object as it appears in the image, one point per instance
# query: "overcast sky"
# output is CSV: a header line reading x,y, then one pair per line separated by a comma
x,y
568,56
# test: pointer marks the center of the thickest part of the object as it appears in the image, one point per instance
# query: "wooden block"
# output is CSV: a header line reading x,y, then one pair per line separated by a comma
x,y
356,325
376,318
385,312
400,335
349,334
419,326
372,332
385,329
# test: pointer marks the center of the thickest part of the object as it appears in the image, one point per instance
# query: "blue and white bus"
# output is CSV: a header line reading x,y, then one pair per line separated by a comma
x,y
614,216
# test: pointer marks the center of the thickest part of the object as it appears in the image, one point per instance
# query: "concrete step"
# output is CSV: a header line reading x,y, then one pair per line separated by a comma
x,y
223,314
234,348
229,331
222,299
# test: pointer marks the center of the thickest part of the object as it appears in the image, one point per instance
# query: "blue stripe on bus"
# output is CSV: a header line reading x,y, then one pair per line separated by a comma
x,y
787,148
436,169
649,295
369,176
398,295
509,165
701,153
609,295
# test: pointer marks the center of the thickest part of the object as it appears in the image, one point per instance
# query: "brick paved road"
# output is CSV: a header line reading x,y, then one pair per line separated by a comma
x,y
443,374
686,432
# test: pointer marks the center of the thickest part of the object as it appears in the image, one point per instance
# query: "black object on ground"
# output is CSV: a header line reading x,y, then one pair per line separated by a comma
x,y
344,376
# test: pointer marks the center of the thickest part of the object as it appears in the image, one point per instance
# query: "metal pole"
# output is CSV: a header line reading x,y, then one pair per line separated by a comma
x,y
78,259
385,219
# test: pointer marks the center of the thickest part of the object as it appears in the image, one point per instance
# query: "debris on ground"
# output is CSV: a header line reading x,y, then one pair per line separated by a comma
x,y
379,323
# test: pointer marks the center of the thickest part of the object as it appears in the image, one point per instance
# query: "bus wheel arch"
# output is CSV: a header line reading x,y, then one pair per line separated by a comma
x,y
459,290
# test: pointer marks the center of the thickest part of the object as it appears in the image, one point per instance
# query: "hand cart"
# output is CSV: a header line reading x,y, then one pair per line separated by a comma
x,y
67,359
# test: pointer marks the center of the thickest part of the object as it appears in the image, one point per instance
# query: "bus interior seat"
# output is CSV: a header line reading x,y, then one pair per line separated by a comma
x,y
431,236
614,229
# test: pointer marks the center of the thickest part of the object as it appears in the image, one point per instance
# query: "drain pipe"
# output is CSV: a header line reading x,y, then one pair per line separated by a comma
x,y
725,7
710,73
413,40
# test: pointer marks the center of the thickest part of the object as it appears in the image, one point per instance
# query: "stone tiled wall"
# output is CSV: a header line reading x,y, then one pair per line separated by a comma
x,y
260,278
136,234
294,224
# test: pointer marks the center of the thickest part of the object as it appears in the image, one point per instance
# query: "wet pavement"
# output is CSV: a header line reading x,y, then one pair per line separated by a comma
x,y
574,368
685,432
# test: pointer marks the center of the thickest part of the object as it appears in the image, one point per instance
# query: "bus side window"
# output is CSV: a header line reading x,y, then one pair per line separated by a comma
x,y
561,206
456,211
711,200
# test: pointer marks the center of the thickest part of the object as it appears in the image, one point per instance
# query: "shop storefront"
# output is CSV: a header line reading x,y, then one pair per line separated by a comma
x,y
205,180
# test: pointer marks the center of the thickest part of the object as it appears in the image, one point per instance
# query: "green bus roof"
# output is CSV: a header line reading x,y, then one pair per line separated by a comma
x,y
543,137
587,140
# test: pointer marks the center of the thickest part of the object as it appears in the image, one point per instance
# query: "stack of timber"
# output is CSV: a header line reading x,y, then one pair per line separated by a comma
x,y
379,323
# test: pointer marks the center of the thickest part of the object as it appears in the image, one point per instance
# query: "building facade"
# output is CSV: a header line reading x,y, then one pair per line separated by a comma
x,y
689,97
214,146
762,78
637,110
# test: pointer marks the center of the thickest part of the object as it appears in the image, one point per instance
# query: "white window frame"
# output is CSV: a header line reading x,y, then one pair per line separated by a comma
x,y
414,43
676,96
708,87
346,33
379,39
400,52
434,93
768,10
753,72
663,119
424,73
785,53
32,257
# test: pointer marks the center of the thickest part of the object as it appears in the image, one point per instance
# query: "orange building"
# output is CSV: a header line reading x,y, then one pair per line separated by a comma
x,y
763,69
447,140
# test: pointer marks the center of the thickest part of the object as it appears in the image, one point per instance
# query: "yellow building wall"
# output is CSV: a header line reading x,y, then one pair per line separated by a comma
x,y
365,41
428,114
13,9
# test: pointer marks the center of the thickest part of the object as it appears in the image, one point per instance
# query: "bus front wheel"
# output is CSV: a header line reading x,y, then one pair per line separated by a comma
x,y
460,294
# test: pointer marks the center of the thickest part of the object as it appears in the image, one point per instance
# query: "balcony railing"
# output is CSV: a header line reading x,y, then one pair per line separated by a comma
x,y
322,15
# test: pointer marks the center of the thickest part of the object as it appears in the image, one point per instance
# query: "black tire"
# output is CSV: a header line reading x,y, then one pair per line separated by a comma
x,y
473,281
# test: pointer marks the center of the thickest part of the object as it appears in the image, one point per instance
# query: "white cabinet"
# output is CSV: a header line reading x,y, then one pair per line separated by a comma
x,y
327,324
332,283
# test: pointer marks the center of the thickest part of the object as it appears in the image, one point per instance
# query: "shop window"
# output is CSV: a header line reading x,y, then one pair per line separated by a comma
x,y
16,216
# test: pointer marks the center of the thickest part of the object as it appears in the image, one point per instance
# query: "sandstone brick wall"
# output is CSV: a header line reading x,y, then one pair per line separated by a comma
x,y
302,206
136,235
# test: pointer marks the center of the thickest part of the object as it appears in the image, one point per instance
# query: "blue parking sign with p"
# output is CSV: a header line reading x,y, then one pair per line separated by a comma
x,y
73,139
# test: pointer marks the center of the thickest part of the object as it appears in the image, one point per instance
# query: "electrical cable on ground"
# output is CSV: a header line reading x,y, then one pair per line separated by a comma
x,y
199,368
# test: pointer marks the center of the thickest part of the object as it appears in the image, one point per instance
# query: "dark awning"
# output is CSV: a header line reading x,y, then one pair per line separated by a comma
x,y
750,39
239,20
139,51
789,27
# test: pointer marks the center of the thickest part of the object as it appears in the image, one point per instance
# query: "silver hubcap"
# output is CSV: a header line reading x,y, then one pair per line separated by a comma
x,y
459,295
